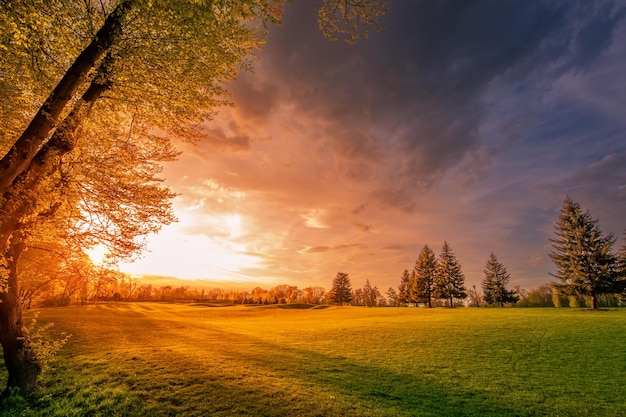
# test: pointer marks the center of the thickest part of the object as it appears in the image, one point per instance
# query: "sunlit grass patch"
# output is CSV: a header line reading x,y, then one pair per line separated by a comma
x,y
160,359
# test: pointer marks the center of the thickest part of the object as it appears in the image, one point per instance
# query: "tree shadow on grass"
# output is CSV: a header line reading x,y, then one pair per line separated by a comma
x,y
369,387
212,371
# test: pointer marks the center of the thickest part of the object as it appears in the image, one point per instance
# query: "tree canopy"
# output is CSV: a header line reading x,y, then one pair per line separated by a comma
x,y
342,289
449,278
582,254
93,95
424,276
495,282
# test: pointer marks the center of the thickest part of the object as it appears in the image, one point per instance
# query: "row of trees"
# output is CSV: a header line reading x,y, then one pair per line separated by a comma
x,y
433,278
53,275
586,268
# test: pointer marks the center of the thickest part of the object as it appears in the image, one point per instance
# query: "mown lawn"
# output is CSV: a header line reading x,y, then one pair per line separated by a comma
x,y
178,360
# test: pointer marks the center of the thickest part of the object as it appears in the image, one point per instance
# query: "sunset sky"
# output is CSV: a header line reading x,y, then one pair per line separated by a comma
x,y
463,121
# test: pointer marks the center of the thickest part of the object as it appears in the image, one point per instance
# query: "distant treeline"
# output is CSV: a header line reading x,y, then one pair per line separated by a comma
x,y
113,286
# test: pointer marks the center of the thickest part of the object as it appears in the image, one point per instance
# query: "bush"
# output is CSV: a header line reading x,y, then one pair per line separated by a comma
x,y
44,349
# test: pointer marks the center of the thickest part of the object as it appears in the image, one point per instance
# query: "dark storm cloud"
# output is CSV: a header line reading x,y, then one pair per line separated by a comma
x,y
407,105
601,188
464,121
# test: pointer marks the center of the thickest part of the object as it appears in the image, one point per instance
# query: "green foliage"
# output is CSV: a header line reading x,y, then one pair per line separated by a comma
x,y
342,289
423,278
163,66
150,359
558,299
45,349
404,295
583,255
392,297
541,296
351,18
370,295
449,279
495,282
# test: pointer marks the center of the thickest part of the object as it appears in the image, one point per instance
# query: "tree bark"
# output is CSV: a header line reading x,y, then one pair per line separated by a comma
x,y
19,157
20,201
19,357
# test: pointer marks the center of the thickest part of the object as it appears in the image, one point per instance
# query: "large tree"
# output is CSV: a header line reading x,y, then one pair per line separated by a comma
x,y
582,254
495,282
449,278
342,289
75,72
423,281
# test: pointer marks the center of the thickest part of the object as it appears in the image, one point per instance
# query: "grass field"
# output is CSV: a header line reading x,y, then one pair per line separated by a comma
x,y
170,360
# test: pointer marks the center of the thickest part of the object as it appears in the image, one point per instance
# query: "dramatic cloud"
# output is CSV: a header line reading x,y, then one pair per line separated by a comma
x,y
465,121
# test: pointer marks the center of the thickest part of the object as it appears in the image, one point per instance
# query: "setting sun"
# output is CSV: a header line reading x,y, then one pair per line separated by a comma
x,y
193,253
97,254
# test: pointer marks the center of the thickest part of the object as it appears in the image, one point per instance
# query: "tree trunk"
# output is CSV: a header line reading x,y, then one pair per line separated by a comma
x,y
19,357
451,302
594,302
19,157
19,201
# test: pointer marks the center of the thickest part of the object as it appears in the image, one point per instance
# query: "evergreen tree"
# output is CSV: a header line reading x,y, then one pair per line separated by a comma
x,y
495,282
342,289
392,297
403,289
449,279
424,276
370,294
582,255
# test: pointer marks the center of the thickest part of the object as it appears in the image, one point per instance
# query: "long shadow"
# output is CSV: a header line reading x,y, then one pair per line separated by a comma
x,y
201,388
372,387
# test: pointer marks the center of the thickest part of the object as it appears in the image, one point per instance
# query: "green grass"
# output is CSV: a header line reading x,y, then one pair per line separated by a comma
x,y
170,360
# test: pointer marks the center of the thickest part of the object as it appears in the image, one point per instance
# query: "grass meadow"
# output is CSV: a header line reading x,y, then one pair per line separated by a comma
x,y
191,360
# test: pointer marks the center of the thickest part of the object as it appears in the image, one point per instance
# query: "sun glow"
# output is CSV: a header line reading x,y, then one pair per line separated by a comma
x,y
199,246
233,222
97,254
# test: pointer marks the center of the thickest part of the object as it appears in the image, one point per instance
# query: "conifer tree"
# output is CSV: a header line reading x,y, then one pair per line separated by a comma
x,y
403,289
392,297
424,276
342,289
449,279
583,255
371,294
495,282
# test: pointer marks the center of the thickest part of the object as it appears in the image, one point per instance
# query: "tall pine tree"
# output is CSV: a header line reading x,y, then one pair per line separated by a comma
x,y
342,289
449,279
424,276
495,282
583,255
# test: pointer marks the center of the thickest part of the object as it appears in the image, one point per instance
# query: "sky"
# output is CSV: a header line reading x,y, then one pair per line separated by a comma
x,y
463,121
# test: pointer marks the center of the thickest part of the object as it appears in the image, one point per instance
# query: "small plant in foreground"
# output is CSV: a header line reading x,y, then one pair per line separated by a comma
x,y
44,348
